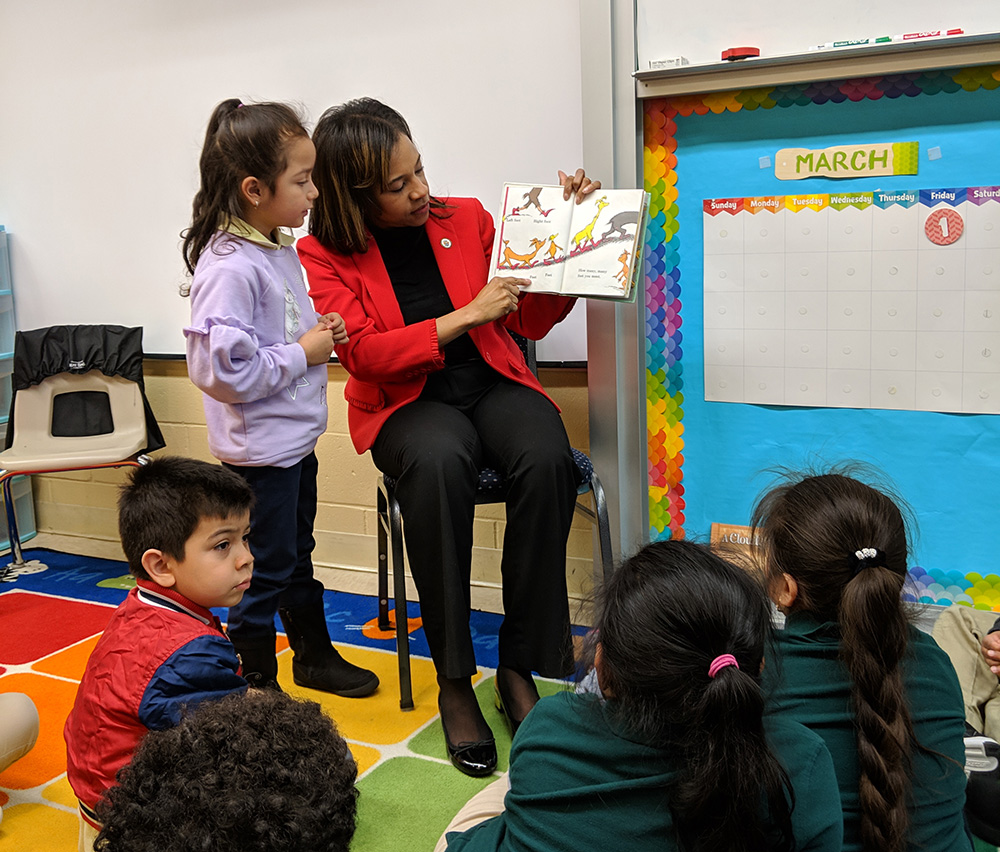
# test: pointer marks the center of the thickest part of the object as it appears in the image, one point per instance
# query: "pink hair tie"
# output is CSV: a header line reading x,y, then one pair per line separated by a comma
x,y
720,663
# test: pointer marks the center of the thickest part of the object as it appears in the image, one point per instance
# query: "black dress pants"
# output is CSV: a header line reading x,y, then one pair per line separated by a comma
x,y
434,450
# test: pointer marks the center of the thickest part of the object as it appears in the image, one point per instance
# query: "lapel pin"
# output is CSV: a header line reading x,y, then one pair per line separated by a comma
x,y
446,243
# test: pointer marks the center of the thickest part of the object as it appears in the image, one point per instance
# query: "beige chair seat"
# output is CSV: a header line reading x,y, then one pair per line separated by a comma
x,y
36,449
67,415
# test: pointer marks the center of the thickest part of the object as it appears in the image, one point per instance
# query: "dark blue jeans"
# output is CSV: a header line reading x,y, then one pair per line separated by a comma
x,y
281,540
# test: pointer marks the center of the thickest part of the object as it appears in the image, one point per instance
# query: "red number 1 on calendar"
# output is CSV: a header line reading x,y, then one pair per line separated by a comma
x,y
944,227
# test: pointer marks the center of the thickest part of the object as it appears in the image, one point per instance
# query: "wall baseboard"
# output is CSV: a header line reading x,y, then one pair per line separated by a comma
x,y
487,597
354,579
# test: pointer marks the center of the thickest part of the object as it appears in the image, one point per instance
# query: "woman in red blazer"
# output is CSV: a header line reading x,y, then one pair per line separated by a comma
x,y
438,390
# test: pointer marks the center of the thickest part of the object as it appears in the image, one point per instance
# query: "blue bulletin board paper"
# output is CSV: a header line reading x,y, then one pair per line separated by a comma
x,y
947,466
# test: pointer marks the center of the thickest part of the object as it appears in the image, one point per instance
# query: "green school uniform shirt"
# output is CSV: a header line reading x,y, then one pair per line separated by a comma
x,y
577,783
806,681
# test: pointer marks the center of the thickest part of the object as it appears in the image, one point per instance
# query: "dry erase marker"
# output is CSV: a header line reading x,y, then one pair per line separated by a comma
x,y
854,42
929,34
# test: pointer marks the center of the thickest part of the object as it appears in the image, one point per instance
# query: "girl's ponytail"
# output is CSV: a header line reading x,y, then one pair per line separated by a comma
x,y
874,632
845,545
728,765
209,201
221,111
682,636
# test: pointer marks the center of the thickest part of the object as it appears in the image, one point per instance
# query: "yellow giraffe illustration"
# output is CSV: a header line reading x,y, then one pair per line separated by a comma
x,y
622,274
587,234
553,248
509,255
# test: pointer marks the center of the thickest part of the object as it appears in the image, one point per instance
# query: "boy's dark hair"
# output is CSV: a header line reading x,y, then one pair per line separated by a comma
x,y
252,772
163,502
664,616
813,528
242,140
354,145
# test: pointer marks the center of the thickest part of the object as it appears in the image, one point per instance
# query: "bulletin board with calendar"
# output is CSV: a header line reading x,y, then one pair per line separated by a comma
x,y
797,320
885,299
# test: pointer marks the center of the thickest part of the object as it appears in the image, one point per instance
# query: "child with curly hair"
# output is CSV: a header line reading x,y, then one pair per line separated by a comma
x,y
259,772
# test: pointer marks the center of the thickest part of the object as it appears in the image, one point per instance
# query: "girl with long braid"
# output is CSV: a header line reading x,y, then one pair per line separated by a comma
x,y
851,667
676,754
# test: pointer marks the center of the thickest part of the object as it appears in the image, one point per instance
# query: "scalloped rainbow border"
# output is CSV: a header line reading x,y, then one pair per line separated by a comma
x,y
664,372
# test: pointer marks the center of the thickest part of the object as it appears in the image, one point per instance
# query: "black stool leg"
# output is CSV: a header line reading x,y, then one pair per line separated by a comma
x,y
16,556
402,619
383,556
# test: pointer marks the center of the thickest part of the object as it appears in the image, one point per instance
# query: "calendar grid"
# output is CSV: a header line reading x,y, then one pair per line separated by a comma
x,y
855,300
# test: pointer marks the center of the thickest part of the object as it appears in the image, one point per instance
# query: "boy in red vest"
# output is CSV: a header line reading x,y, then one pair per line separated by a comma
x,y
184,526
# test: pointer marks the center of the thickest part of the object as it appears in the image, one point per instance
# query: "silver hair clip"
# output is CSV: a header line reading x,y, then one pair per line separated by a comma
x,y
867,557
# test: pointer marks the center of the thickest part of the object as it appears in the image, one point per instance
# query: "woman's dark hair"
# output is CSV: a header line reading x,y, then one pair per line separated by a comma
x,y
817,529
664,616
253,772
354,145
242,140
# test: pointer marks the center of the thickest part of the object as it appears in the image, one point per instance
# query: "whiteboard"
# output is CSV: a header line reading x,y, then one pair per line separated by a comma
x,y
105,103
701,31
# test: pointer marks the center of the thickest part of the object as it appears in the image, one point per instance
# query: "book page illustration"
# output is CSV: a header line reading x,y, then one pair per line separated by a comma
x,y
563,247
531,239
600,259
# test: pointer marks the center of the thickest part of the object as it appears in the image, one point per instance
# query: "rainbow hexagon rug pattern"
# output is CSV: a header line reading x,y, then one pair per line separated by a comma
x,y
52,621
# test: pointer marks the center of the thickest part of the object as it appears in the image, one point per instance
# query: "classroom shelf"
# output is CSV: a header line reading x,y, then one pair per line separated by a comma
x,y
4,263
21,486
7,325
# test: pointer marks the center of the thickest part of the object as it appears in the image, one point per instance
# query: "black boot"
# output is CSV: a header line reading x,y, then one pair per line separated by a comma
x,y
260,665
316,664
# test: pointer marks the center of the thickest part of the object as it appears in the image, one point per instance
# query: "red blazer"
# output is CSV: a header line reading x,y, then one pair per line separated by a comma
x,y
388,361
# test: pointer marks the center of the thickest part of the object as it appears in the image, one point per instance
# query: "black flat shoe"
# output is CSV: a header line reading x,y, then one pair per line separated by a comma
x,y
477,759
503,704
498,702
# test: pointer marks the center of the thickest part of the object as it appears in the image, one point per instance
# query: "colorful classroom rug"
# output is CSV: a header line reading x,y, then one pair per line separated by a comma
x,y
409,791
50,622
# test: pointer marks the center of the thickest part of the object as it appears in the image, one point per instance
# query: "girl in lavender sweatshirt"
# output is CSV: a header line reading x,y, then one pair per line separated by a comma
x,y
257,350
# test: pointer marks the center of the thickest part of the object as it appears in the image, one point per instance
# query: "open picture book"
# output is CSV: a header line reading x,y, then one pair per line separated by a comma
x,y
592,249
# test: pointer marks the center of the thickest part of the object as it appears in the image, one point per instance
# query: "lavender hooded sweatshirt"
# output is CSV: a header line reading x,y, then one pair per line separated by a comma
x,y
249,306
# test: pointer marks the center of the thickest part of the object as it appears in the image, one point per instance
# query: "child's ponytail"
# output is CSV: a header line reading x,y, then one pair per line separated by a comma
x,y
241,140
729,765
682,636
874,632
211,201
845,545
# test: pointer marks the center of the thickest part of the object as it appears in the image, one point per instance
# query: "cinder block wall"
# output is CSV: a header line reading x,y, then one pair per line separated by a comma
x,y
77,513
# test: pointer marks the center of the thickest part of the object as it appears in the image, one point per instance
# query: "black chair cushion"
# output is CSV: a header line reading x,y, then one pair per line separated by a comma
x,y
492,486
